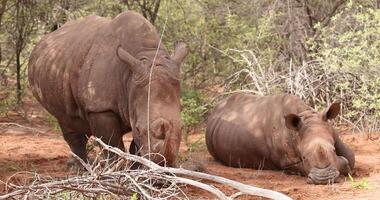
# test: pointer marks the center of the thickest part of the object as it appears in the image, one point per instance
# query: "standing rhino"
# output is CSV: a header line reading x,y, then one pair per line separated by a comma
x,y
93,76
278,132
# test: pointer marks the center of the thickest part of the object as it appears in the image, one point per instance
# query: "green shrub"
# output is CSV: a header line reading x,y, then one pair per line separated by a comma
x,y
193,107
350,45
359,184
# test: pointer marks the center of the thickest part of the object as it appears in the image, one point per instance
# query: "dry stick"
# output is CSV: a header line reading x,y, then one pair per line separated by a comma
x,y
21,126
149,86
203,186
247,189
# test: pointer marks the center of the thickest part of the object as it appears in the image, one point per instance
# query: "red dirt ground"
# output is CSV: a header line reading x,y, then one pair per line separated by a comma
x,y
46,152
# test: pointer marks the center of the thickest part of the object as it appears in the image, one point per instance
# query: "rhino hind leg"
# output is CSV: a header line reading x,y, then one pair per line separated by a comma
x,y
77,142
106,126
343,150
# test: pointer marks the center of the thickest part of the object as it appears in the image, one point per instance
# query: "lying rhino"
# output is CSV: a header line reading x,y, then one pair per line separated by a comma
x,y
278,132
93,76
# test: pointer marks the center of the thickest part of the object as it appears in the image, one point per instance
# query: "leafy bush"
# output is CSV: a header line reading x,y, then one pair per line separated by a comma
x,y
351,45
193,107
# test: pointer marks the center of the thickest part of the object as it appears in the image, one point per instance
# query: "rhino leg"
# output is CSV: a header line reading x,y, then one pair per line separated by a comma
x,y
343,150
133,148
107,127
77,142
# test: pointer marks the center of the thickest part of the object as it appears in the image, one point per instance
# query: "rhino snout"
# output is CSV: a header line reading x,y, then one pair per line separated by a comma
x,y
323,176
161,128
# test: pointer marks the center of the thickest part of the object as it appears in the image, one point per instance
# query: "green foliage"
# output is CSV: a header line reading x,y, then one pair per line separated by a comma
x,y
359,184
351,45
53,122
69,195
355,47
134,196
65,195
8,102
193,107
213,29
13,166
367,100
198,145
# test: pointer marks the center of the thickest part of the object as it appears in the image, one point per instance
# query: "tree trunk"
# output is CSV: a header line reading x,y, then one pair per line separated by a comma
x,y
18,50
18,71
3,4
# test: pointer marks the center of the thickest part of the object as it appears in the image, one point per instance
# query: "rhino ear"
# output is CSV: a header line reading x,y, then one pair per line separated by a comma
x,y
331,112
131,61
180,53
293,122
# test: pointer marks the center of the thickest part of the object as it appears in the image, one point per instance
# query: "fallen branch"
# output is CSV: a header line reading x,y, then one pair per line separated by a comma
x,y
150,181
247,189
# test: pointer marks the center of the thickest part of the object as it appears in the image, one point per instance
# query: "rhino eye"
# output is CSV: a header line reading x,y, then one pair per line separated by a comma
x,y
144,60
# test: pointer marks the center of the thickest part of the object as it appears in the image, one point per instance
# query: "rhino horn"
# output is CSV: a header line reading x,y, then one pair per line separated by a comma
x,y
180,52
134,64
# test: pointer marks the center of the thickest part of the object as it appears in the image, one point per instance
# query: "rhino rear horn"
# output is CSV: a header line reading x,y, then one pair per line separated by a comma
x,y
180,52
134,64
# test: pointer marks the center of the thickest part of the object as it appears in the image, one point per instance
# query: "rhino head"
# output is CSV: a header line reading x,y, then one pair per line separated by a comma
x,y
324,156
162,135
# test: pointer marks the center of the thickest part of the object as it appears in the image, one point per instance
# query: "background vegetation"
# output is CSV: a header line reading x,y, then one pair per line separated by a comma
x,y
320,50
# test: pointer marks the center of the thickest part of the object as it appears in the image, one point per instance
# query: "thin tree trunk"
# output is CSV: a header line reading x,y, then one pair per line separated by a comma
x,y
18,71
18,50
155,11
3,4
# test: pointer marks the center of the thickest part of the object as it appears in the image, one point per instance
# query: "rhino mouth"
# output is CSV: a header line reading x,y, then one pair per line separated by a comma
x,y
156,154
326,175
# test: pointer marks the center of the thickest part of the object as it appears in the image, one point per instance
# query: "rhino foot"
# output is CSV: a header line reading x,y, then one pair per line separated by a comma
x,y
75,165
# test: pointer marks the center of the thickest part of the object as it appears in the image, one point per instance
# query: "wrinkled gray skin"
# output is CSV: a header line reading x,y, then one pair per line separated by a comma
x,y
92,75
278,132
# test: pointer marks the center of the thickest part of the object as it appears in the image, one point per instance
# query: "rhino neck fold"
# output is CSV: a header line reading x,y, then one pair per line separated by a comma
x,y
123,103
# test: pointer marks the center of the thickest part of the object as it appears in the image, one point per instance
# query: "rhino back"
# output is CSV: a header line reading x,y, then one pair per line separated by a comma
x,y
249,131
56,61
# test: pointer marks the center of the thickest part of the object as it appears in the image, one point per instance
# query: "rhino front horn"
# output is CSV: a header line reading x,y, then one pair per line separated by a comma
x,y
131,61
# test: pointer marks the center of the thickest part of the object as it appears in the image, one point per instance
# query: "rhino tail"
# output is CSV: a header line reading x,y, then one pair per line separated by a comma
x,y
343,150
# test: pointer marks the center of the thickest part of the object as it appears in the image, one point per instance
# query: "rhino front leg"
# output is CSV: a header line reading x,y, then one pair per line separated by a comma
x,y
107,127
343,150
133,148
